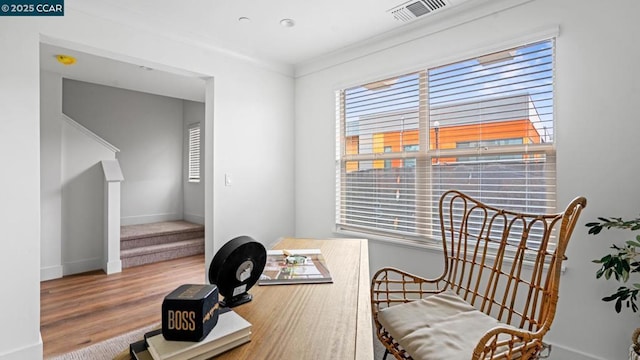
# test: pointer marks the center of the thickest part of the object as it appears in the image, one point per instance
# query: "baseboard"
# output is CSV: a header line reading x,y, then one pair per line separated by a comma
x,y
147,219
112,267
80,266
50,272
559,352
194,218
33,351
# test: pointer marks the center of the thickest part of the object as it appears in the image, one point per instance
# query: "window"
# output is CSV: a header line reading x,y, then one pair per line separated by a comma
x,y
194,152
483,126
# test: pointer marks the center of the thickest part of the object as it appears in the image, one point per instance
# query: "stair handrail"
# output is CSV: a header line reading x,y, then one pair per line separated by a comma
x,y
90,134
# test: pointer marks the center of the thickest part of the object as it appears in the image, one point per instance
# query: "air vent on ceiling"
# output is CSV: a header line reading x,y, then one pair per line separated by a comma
x,y
414,9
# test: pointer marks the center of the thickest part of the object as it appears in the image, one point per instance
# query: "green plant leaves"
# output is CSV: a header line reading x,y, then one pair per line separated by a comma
x,y
624,296
621,263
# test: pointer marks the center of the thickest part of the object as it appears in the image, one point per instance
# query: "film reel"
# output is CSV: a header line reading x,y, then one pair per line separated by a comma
x,y
235,268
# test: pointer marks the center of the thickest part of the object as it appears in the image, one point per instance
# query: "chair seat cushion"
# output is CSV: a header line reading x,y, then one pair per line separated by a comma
x,y
440,327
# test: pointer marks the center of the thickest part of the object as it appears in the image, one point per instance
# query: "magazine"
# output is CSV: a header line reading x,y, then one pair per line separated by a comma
x,y
296,266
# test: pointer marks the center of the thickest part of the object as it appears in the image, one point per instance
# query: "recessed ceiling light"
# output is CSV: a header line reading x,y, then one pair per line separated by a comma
x,y
287,22
244,19
66,59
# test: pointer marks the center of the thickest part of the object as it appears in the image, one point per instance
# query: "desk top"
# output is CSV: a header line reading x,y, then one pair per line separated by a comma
x,y
313,321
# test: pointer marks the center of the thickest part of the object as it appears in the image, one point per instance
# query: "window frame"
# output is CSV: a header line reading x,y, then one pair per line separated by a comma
x,y
426,157
194,152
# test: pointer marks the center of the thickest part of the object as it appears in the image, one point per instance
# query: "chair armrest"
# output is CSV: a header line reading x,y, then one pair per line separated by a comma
x,y
505,342
391,286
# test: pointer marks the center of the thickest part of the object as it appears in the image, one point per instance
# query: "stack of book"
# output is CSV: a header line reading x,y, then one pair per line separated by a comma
x,y
231,331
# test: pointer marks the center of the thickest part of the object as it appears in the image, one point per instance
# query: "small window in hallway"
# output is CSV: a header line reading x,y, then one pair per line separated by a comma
x,y
194,152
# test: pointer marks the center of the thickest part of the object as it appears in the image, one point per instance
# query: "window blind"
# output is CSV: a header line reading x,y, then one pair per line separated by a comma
x,y
194,153
483,126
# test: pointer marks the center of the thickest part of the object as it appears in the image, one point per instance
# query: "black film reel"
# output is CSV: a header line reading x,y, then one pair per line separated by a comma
x,y
235,268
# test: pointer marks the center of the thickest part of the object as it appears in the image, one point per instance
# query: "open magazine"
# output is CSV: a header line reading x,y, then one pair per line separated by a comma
x,y
295,266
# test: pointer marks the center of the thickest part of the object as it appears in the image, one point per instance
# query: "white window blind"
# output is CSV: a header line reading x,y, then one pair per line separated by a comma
x,y
483,126
194,152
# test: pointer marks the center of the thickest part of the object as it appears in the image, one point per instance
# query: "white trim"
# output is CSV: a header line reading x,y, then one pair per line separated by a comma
x,y
32,351
460,15
194,218
90,134
80,266
559,352
117,20
112,170
147,219
50,272
112,267
488,47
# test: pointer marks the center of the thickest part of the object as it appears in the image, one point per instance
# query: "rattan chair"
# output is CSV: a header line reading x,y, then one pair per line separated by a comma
x,y
497,295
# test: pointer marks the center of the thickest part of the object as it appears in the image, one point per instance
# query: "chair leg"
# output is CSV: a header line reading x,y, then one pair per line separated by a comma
x,y
386,352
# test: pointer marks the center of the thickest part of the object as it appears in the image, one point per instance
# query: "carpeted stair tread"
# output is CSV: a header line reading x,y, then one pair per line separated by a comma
x,y
138,231
160,239
148,243
161,247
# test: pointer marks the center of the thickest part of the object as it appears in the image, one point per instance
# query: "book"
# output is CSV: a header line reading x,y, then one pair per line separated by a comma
x,y
231,331
138,351
295,266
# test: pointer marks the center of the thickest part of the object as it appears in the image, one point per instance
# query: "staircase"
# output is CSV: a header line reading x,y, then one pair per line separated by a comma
x,y
148,243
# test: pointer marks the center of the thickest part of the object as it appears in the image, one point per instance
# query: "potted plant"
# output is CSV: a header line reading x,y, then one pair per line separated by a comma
x,y
620,264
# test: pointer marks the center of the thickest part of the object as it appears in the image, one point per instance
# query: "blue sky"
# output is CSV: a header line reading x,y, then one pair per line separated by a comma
x,y
527,69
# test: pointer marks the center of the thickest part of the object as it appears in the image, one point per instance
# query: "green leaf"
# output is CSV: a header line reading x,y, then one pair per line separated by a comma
x,y
633,243
595,230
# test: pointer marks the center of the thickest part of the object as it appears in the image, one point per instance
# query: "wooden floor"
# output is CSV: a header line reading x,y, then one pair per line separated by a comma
x,y
80,310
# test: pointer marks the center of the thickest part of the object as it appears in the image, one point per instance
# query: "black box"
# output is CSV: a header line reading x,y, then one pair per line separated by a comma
x,y
190,312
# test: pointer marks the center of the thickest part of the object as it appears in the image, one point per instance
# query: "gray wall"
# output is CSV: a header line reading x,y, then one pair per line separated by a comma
x,y
596,131
148,130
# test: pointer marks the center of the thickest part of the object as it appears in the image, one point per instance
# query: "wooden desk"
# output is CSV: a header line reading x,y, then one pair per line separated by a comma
x,y
313,321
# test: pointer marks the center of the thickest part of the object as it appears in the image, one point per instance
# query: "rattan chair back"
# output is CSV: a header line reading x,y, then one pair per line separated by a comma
x,y
504,263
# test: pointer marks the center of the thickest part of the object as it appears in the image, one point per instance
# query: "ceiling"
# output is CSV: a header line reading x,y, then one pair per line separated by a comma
x,y
321,27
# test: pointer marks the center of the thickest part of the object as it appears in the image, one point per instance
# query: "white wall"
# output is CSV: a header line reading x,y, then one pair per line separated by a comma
x,y
596,127
148,131
249,97
254,148
20,181
50,175
193,192
83,200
